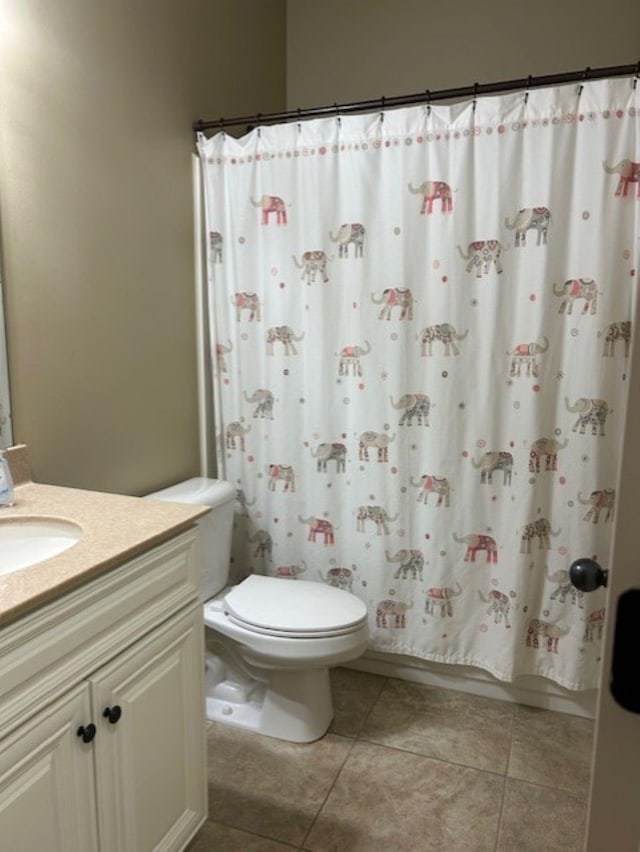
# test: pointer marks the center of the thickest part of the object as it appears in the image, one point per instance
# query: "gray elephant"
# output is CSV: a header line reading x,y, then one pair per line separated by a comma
x,y
523,358
591,412
605,499
312,263
330,452
379,441
378,515
351,232
339,578
594,625
528,218
390,613
430,190
481,254
241,499
433,484
438,600
264,402
350,356
411,562
395,297
628,171
235,431
550,632
565,588
493,461
244,301
264,543
416,405
613,332
499,606
271,204
540,529
547,447
282,334
578,288
215,246
446,334
281,473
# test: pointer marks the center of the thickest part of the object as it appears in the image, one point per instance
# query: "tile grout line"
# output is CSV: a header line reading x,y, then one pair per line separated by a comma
x,y
354,739
505,779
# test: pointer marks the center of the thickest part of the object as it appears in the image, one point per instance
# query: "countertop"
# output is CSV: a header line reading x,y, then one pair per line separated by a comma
x,y
115,529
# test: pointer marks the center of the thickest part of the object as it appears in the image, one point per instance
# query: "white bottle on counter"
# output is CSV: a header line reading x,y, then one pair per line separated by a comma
x,y
6,482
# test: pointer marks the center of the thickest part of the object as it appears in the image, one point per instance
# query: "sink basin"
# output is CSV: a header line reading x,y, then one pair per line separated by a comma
x,y
25,541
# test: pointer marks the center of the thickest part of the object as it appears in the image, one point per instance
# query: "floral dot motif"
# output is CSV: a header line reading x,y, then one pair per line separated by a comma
x,y
444,374
427,536
397,231
443,553
483,628
346,400
545,612
282,285
394,470
480,443
516,405
557,432
285,372
512,594
436,264
571,504
535,388
562,480
562,551
274,270
494,582
586,215
242,240
465,454
394,336
532,297
444,279
574,332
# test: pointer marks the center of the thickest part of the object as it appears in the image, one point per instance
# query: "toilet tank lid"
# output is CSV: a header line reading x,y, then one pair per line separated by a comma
x,y
200,491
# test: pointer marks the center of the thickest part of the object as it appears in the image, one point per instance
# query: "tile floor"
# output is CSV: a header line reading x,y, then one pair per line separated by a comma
x,y
403,767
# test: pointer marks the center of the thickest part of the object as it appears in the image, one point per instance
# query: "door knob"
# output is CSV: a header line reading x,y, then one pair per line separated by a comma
x,y
86,732
587,576
112,713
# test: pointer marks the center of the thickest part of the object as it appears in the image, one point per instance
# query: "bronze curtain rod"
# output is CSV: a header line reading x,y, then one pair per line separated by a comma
x,y
425,97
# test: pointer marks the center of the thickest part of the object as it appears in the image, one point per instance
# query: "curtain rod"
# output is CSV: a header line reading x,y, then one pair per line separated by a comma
x,y
423,97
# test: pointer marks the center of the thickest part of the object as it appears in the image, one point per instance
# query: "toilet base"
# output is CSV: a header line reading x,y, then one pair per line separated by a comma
x,y
289,705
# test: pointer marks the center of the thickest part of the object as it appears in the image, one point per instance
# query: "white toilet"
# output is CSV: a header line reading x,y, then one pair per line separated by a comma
x,y
270,641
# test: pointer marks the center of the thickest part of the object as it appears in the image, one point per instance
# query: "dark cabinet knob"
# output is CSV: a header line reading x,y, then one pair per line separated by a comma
x,y
86,732
112,713
587,576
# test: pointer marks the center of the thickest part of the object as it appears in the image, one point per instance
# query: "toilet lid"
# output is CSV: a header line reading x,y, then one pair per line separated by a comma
x,y
299,608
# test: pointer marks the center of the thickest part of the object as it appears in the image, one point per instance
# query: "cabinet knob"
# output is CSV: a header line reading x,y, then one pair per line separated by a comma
x,y
112,713
86,732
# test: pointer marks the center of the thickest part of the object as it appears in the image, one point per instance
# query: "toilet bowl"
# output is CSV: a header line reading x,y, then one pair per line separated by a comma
x,y
270,641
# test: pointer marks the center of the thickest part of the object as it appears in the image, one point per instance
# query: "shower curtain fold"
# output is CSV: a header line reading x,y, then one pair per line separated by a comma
x,y
421,323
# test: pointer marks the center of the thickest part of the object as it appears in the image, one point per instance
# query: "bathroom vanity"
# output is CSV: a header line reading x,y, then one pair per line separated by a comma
x,y
102,729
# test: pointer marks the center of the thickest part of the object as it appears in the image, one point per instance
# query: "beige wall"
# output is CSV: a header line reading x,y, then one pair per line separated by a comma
x,y
348,50
96,105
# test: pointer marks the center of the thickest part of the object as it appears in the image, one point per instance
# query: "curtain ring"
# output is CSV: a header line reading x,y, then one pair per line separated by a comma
x,y
299,123
584,79
382,102
475,96
635,79
526,91
338,116
428,97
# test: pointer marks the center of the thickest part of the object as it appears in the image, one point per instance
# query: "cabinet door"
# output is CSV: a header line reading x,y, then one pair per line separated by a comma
x,y
47,793
151,762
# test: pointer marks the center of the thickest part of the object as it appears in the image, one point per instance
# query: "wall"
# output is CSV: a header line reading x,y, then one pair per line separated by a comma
x,y
96,106
347,51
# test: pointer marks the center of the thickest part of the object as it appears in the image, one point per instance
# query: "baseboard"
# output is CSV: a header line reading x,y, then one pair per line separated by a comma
x,y
531,690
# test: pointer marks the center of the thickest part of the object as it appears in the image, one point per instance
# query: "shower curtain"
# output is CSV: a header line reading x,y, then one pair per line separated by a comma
x,y
421,322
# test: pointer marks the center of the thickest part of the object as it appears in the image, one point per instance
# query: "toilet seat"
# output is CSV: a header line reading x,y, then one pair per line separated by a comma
x,y
296,609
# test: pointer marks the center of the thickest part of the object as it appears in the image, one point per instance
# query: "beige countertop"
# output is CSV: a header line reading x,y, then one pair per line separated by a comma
x,y
115,529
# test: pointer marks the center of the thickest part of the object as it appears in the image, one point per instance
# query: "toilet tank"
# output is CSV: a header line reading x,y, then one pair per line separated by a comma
x,y
215,528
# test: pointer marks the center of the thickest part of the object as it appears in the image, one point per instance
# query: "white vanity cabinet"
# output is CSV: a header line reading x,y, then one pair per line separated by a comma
x,y
102,730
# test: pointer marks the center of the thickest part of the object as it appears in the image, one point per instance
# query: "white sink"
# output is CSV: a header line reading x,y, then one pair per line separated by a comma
x,y
27,540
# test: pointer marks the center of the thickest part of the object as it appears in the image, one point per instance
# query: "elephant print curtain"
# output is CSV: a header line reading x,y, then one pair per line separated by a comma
x,y
421,324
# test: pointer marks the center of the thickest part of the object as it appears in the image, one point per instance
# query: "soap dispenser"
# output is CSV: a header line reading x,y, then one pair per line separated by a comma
x,y
6,482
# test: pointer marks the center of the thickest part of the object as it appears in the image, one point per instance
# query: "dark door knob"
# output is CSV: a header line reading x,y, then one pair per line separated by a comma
x,y
587,576
112,713
86,732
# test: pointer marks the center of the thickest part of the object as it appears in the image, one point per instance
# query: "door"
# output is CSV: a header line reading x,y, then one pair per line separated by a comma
x,y
150,744
614,814
47,794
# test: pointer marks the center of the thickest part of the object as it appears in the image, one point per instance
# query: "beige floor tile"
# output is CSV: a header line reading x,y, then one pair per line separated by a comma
x,y
267,786
552,749
354,694
386,799
535,818
214,837
466,729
